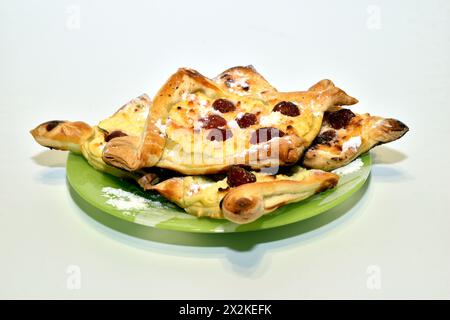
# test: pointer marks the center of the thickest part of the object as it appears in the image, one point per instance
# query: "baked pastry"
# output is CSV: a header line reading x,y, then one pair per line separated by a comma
x,y
222,134
244,81
243,196
202,126
79,137
345,135
62,135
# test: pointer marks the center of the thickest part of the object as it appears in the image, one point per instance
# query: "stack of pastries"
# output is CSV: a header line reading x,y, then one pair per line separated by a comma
x,y
230,147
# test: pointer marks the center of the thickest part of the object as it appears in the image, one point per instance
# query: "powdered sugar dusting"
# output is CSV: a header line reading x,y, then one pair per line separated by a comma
x,y
240,82
187,96
162,127
196,188
272,119
193,189
232,124
352,143
350,168
127,201
142,210
198,125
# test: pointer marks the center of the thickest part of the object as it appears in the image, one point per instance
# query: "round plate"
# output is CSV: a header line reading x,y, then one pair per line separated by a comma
x,y
127,201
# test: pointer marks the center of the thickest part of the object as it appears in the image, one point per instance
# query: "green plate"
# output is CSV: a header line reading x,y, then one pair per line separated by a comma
x,y
127,201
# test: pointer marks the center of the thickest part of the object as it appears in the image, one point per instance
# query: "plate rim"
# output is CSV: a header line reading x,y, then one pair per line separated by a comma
x,y
176,227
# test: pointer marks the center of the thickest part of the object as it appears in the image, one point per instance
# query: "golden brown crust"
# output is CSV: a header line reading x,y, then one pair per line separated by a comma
x,y
244,81
129,120
62,135
175,136
273,153
172,189
148,152
324,95
184,80
124,143
362,133
68,135
248,202
388,130
89,141
121,152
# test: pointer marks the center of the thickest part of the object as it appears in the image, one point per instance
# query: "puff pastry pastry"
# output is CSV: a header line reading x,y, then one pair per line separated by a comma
x,y
220,134
346,135
198,195
79,137
204,197
202,126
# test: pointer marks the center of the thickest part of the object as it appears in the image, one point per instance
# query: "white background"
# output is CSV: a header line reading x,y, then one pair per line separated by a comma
x,y
394,56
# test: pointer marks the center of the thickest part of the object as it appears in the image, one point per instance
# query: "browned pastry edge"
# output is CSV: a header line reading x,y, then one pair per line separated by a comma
x,y
256,84
372,130
248,202
172,189
184,80
62,135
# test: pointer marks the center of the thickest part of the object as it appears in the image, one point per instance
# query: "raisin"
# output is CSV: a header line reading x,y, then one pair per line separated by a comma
x,y
223,105
246,120
213,121
325,137
50,125
219,135
237,176
115,134
339,119
287,108
265,134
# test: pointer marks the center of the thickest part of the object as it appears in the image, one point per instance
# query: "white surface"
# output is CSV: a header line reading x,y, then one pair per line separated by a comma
x,y
399,68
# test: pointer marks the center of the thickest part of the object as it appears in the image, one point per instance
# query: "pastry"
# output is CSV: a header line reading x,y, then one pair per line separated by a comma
x,y
225,138
345,135
200,126
243,196
79,137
